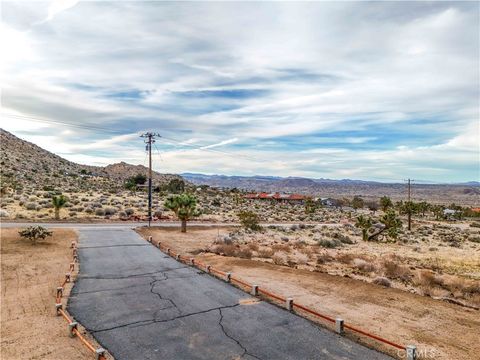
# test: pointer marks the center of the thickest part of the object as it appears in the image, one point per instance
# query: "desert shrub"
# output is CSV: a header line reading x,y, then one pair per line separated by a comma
x,y
31,206
301,258
345,258
475,239
110,211
329,243
34,233
324,258
249,220
100,212
4,213
382,281
392,270
244,253
129,211
88,210
345,239
225,249
253,246
122,214
158,213
363,265
475,224
265,253
280,258
72,213
281,247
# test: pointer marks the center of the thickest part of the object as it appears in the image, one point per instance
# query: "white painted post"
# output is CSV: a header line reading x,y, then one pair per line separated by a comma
x,y
67,277
99,353
208,268
411,352
58,307
229,276
178,257
59,291
289,304
192,261
149,239
254,290
339,326
71,326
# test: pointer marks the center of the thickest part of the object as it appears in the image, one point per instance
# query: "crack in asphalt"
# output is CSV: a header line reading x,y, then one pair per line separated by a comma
x,y
245,351
152,285
113,277
154,321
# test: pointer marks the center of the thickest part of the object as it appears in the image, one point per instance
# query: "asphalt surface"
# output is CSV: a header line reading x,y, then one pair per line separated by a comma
x,y
141,304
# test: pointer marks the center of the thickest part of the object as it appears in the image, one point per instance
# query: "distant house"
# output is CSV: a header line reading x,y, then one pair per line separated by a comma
x,y
295,198
449,212
328,202
477,210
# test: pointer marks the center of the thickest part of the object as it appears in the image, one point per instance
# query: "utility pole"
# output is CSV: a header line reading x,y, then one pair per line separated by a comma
x,y
149,140
409,207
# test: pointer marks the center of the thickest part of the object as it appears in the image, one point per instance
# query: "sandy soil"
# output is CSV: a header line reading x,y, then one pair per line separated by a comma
x,y
440,330
30,274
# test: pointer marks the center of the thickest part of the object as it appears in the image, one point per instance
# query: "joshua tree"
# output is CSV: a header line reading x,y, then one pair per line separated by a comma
x,y
391,225
310,206
184,206
364,223
385,203
58,202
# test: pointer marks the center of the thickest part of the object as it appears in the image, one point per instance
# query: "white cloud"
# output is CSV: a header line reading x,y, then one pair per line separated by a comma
x,y
325,87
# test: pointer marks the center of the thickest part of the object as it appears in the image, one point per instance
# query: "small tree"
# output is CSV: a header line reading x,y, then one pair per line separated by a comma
x,y
391,224
357,202
249,220
385,203
364,223
184,206
176,186
33,233
58,202
372,206
310,206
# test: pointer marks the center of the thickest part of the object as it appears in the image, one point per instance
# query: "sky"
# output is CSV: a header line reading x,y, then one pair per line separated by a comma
x,y
362,90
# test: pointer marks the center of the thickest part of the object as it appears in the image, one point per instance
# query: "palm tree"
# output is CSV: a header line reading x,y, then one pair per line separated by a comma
x,y
58,202
184,206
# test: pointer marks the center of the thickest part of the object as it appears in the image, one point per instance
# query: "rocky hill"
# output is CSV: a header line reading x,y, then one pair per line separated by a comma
x,y
24,164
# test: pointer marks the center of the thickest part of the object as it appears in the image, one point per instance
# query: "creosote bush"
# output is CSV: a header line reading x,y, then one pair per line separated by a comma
x,y
249,220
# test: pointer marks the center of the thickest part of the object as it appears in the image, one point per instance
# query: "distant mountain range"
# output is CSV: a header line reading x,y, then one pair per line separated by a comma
x,y
467,193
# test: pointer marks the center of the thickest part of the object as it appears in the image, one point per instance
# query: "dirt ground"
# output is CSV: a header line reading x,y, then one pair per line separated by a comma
x,y
440,330
30,275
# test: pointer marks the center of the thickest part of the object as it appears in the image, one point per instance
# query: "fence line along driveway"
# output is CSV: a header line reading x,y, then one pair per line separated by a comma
x,y
141,304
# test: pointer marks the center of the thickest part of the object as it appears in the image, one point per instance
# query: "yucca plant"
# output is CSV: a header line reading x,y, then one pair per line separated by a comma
x,y
184,206
58,202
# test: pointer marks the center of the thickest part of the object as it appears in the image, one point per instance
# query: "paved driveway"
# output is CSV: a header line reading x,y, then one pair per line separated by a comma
x,y
141,304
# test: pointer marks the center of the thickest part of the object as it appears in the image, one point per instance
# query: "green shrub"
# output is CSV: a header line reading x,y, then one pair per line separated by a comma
x,y
249,220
